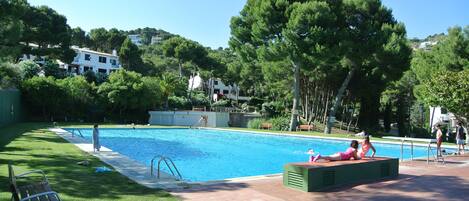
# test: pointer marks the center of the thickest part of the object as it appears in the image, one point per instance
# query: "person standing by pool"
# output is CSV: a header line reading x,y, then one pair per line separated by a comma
x,y
460,138
350,153
96,145
439,140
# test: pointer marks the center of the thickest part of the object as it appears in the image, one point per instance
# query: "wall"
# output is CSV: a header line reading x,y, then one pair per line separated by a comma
x,y
188,118
239,119
10,107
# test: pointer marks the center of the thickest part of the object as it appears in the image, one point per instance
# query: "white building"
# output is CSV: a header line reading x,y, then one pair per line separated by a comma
x,y
440,115
136,39
216,88
87,59
156,40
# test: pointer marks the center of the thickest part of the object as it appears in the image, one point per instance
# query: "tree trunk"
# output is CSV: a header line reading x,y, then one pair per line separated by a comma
x,y
431,120
190,90
180,68
296,96
337,100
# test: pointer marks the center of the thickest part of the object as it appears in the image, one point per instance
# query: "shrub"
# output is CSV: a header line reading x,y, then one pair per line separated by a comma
x,y
29,69
280,123
221,103
179,103
255,123
53,69
9,76
272,109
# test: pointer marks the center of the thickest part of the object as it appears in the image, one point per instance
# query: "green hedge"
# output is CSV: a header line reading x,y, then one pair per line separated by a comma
x,y
278,123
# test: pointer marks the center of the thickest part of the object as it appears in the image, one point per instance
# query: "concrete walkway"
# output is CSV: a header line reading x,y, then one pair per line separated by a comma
x,y
130,168
417,181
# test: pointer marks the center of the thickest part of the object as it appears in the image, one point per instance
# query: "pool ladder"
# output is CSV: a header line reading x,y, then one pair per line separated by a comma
x,y
79,132
169,163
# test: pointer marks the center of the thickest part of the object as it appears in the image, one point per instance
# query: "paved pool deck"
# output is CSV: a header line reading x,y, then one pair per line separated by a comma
x,y
417,181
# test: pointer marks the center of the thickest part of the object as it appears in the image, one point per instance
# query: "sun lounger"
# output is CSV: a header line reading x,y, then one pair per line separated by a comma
x,y
324,175
31,191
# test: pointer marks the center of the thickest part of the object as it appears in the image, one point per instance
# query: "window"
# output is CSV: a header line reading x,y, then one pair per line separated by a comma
x,y
102,59
215,82
225,91
87,57
444,111
101,70
87,68
216,91
113,62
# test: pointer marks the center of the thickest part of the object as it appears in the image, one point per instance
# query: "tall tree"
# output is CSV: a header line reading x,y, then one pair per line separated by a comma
x,y
99,38
300,33
129,56
79,37
442,72
48,30
375,48
185,51
11,27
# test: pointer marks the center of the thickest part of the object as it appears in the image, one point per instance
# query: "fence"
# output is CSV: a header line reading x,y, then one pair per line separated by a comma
x,y
10,107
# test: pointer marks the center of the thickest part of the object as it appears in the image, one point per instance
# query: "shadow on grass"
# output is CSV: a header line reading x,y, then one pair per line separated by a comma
x,y
29,146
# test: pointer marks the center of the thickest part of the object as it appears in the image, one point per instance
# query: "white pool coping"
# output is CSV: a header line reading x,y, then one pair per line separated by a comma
x,y
128,167
325,137
140,173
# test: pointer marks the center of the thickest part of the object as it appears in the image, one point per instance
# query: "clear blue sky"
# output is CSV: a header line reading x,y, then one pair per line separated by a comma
x,y
207,21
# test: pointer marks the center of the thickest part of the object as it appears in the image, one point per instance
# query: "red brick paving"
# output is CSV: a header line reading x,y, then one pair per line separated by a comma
x,y
417,181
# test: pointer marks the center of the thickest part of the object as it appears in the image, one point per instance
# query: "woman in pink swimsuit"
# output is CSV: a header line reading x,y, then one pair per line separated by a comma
x,y
350,153
366,146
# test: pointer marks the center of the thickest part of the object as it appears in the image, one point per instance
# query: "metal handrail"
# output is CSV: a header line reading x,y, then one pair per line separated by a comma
x,y
165,160
79,132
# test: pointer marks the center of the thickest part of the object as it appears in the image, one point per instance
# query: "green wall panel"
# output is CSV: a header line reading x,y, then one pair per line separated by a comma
x,y
10,107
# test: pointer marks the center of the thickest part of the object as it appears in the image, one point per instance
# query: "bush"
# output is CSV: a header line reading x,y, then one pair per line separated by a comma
x,y
9,76
200,99
221,103
280,123
272,109
29,69
256,102
53,69
255,123
179,103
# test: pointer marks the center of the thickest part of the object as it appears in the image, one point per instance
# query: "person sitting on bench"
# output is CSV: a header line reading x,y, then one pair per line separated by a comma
x,y
350,153
366,146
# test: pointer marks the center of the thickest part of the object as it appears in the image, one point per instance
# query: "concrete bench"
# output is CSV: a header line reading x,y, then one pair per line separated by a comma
x,y
323,175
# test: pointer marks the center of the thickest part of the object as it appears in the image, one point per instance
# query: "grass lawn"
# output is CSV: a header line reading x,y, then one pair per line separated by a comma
x,y
31,146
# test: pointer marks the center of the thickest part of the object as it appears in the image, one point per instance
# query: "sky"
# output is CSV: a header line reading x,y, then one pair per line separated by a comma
x,y
207,21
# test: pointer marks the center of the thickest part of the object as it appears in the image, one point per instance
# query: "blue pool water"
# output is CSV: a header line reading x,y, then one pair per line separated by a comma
x,y
205,155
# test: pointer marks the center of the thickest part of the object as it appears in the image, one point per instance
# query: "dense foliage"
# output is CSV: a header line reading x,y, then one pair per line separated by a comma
x,y
356,41
317,61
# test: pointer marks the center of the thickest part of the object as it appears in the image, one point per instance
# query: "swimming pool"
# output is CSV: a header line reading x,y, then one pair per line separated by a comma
x,y
205,154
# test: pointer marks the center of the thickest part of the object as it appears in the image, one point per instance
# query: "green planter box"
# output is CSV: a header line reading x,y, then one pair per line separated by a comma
x,y
320,176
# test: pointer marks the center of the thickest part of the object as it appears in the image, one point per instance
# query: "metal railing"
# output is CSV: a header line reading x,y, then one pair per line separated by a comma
x,y
170,166
79,132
